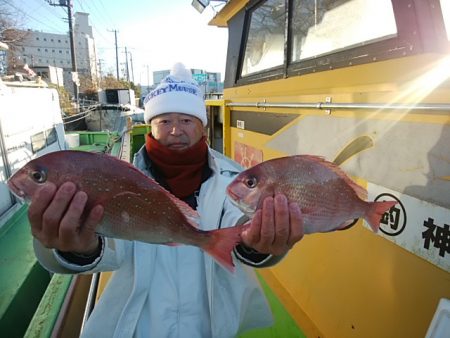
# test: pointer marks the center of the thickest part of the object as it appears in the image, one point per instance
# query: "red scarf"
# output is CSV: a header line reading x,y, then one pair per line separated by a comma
x,y
181,169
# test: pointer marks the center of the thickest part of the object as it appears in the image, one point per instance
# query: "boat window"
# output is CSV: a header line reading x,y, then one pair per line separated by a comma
x,y
445,7
37,142
43,139
265,41
324,26
51,136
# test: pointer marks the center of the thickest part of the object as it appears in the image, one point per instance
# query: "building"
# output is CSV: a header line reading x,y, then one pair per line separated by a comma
x,y
210,82
159,75
41,50
51,74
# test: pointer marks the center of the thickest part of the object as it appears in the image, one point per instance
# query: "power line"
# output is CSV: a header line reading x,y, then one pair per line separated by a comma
x,y
110,20
50,10
99,16
27,15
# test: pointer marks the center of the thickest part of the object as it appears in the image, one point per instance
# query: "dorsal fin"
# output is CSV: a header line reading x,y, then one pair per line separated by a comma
x,y
191,214
360,191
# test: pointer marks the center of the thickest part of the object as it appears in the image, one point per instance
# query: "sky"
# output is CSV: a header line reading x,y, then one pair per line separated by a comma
x,y
157,33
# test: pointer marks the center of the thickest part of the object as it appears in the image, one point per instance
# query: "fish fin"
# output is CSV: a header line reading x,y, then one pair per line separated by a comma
x,y
222,244
194,221
191,214
185,208
360,191
376,211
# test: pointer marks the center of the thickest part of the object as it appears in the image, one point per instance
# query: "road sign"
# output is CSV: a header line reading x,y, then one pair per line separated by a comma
x,y
200,78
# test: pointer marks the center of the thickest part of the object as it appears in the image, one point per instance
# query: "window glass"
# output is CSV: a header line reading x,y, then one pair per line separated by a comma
x,y
51,136
265,42
37,142
445,6
325,26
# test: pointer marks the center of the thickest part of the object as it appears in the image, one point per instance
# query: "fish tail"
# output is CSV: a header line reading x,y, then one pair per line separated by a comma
x,y
222,243
376,211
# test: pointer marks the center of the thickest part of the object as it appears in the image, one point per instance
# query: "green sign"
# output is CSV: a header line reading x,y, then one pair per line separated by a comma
x,y
200,78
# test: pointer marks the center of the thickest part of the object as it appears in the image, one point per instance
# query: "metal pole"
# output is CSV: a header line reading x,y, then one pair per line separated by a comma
x,y
132,71
126,64
117,52
72,47
117,55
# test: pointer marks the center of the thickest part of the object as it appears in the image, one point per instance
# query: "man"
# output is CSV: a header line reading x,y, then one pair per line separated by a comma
x,y
166,291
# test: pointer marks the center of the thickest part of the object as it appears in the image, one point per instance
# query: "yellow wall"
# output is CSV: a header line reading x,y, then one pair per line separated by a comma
x,y
355,283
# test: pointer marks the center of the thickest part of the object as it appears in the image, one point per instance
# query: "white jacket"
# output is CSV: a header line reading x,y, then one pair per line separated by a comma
x,y
236,301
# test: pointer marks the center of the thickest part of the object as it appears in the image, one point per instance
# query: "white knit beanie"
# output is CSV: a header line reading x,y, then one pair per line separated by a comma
x,y
177,93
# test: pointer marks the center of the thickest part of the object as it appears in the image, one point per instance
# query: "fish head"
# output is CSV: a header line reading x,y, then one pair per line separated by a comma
x,y
38,172
248,190
27,180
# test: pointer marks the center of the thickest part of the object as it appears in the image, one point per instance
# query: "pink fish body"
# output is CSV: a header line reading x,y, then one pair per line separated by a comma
x,y
136,207
328,198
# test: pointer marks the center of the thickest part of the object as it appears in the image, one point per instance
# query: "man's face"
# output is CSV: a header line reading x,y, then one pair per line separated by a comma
x,y
177,131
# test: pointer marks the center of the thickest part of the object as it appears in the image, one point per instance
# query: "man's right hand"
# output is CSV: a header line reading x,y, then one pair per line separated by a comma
x,y
58,222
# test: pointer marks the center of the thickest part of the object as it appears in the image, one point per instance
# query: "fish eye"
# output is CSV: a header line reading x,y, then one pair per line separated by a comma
x,y
38,176
251,182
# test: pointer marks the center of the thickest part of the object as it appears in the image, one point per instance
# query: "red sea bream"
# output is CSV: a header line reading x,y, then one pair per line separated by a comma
x,y
328,198
136,207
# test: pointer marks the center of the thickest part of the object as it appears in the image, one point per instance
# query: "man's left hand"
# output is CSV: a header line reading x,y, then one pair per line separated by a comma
x,y
276,227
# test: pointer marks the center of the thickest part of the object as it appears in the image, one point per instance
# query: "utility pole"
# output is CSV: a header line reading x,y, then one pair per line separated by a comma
x,y
126,64
100,61
132,71
68,4
117,52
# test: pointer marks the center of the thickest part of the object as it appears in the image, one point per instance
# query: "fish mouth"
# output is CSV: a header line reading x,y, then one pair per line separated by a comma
x,y
249,211
232,195
16,191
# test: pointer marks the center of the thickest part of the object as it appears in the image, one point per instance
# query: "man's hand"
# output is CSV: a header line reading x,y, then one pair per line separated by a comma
x,y
276,227
56,217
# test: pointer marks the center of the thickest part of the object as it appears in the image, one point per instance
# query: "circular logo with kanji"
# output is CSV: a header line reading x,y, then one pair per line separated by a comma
x,y
393,221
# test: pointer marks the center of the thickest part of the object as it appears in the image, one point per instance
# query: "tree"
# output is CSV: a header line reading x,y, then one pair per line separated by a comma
x,y
11,33
87,86
110,82
64,99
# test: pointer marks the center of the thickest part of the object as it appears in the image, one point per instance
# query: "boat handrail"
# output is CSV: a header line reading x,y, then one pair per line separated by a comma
x,y
329,105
